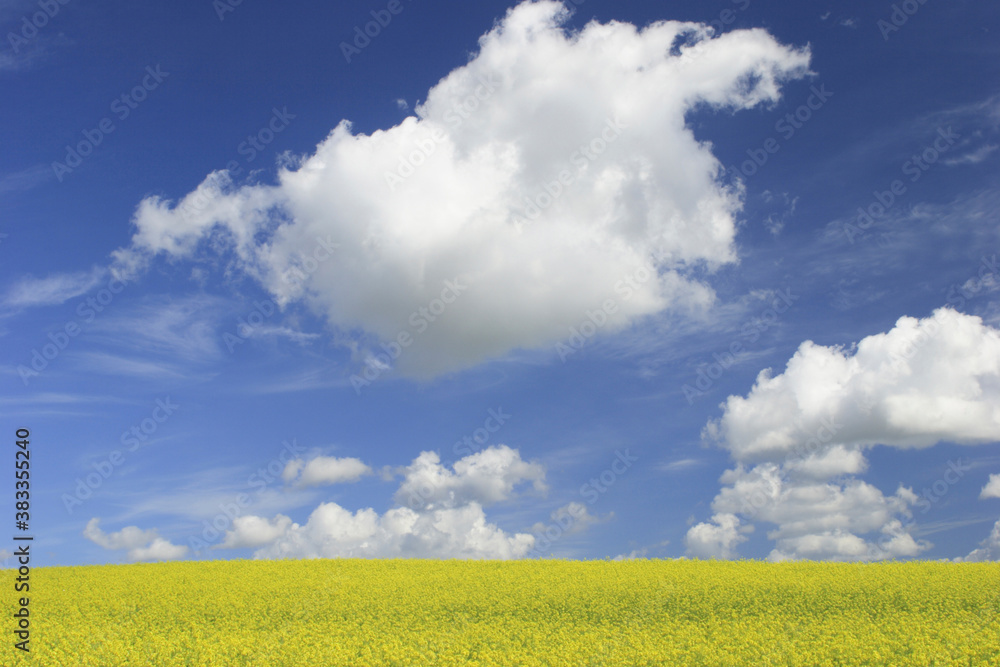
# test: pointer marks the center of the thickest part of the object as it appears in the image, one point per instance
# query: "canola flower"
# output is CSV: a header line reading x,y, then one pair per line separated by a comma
x,y
540,612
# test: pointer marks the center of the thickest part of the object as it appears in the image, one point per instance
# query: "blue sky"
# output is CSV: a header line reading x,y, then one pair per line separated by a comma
x,y
502,281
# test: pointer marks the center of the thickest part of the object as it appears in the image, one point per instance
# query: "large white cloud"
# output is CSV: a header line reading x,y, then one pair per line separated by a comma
x,y
468,191
799,437
440,515
141,545
922,382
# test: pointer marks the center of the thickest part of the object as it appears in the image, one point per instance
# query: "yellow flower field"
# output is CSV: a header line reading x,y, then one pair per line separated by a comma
x,y
408,612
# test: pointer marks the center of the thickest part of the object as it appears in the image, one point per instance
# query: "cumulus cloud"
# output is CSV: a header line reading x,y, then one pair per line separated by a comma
x,y
158,549
536,177
323,470
922,382
142,545
716,539
799,438
989,549
992,488
486,477
439,514
253,531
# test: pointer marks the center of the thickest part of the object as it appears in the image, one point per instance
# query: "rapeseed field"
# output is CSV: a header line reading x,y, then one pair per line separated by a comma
x,y
543,612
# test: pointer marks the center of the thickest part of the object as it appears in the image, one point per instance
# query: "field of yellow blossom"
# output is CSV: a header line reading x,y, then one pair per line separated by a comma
x,y
543,612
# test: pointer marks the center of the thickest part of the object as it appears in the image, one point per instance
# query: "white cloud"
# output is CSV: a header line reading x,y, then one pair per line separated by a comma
x,y
653,193
178,328
158,549
445,517
922,382
334,532
716,539
799,437
975,157
992,488
253,531
571,519
323,470
679,465
486,477
142,545
53,290
989,549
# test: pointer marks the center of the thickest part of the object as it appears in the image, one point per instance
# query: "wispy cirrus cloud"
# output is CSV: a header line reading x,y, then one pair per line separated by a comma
x,y
30,292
